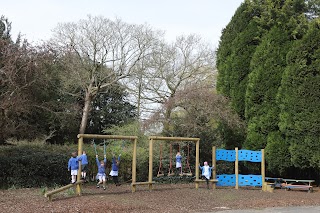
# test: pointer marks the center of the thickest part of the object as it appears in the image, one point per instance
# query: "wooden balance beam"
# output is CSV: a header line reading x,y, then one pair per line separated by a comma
x,y
133,185
212,181
49,194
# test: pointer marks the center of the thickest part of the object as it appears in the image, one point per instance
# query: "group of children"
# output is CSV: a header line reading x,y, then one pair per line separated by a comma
x,y
73,166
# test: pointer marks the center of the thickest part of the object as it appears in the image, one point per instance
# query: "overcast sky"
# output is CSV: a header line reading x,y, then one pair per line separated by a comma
x,y
36,18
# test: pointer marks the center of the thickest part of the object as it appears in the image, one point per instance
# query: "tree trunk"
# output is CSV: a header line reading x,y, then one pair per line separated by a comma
x,y
85,113
2,126
167,120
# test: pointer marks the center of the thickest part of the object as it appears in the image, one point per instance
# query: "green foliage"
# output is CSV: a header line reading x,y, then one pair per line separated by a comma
x,y
174,179
243,47
110,108
30,99
125,148
71,192
277,154
228,80
34,165
267,66
298,99
27,164
261,109
278,79
43,190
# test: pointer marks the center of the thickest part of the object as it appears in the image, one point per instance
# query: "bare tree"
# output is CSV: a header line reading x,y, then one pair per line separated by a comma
x,y
173,67
198,109
97,53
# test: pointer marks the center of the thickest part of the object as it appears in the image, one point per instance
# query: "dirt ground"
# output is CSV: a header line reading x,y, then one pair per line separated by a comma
x,y
163,198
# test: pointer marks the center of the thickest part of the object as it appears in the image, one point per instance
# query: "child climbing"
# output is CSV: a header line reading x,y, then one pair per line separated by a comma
x,y
206,172
73,166
84,165
178,163
114,170
101,171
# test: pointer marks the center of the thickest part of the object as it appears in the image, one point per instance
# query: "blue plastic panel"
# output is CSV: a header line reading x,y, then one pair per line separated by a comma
x,y
248,155
225,155
250,180
226,180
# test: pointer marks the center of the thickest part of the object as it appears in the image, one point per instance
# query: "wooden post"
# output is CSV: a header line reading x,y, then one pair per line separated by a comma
x,y
150,163
197,163
237,168
263,167
214,164
134,165
80,145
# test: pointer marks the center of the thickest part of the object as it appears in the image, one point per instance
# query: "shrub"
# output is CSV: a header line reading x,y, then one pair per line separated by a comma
x,y
33,165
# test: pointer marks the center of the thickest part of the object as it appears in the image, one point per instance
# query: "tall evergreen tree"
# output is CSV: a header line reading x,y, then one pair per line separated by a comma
x,y
299,100
267,67
244,47
238,23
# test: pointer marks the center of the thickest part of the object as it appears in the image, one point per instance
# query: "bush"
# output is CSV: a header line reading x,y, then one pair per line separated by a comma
x,y
34,165
30,164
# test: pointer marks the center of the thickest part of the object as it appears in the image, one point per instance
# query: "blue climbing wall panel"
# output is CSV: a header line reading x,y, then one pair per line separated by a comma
x,y
243,155
248,155
244,180
226,180
250,180
225,155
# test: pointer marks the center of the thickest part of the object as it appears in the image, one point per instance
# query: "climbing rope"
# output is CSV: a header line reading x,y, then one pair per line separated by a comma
x,y
170,172
160,172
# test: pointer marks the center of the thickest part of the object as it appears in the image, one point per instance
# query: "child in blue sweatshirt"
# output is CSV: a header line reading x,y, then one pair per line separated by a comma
x,y
115,168
73,166
84,165
101,171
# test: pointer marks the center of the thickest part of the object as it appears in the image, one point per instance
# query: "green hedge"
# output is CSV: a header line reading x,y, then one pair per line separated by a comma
x,y
37,165
34,165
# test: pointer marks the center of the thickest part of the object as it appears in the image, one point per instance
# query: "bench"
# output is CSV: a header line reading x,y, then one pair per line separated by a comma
x,y
297,184
142,183
276,181
303,187
212,181
133,185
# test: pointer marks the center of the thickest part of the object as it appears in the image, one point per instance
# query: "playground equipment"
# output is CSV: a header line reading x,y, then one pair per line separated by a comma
x,y
80,149
95,147
49,194
213,179
152,139
160,171
188,169
171,171
236,156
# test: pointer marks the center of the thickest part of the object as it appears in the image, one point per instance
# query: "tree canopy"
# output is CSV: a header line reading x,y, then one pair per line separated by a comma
x,y
267,79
